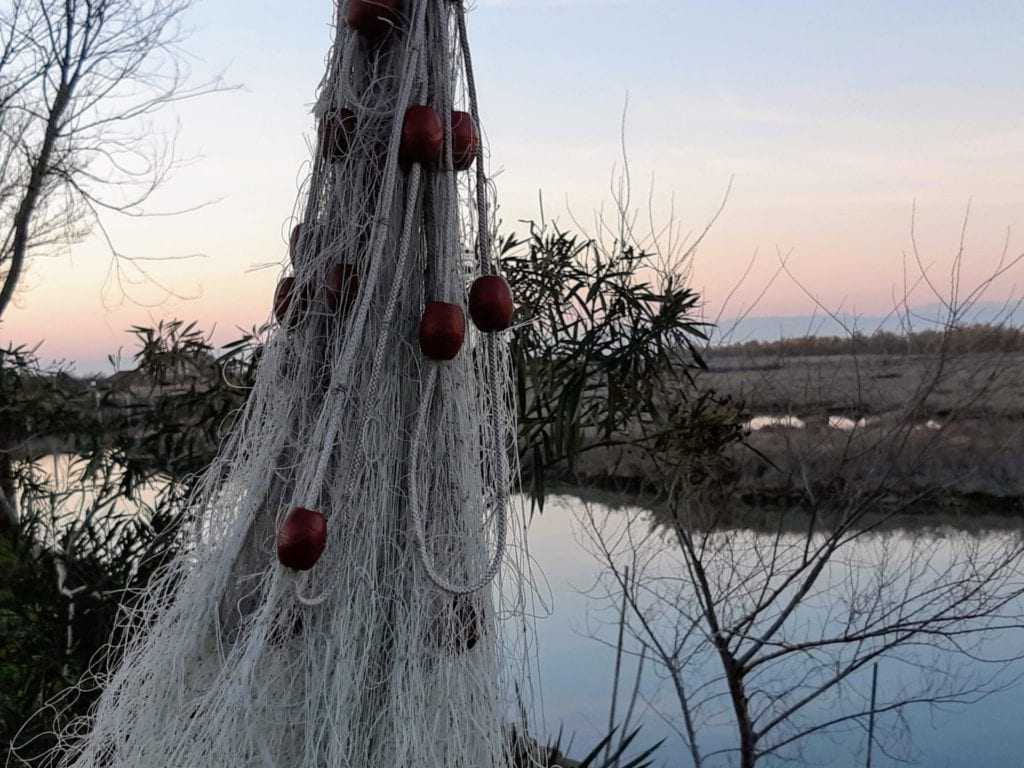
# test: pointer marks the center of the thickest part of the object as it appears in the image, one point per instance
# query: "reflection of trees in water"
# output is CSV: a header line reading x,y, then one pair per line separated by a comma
x,y
826,613
774,630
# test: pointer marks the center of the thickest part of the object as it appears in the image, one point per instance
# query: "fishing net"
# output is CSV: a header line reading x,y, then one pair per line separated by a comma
x,y
353,590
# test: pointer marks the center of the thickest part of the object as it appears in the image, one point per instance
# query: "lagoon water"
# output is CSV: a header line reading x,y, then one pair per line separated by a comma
x,y
577,659
575,655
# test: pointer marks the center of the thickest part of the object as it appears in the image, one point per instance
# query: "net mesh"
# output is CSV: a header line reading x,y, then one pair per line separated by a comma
x,y
403,643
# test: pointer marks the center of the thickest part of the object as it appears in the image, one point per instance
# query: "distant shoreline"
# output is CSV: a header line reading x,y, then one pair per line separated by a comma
x,y
828,421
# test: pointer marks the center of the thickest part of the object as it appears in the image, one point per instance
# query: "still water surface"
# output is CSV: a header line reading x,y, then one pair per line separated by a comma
x,y
576,659
576,670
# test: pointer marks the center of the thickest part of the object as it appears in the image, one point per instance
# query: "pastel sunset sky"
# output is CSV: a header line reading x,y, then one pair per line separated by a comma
x,y
831,118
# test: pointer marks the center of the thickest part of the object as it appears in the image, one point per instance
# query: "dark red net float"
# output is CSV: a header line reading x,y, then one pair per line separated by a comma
x,y
301,539
294,242
373,18
490,303
465,140
337,129
342,287
422,137
442,330
291,302
283,298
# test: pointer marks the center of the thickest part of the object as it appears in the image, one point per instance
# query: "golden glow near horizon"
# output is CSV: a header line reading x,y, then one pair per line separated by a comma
x,y
833,123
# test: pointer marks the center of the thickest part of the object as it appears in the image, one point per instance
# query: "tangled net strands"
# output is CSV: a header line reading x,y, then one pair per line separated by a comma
x,y
347,591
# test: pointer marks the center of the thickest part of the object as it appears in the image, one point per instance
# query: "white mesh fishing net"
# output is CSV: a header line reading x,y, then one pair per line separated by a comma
x,y
402,643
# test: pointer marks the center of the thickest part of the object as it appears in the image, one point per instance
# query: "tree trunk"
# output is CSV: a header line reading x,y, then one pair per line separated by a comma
x,y
734,669
37,178
734,677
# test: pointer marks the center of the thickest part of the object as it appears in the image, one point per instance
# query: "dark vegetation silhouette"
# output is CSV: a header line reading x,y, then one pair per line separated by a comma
x,y
968,339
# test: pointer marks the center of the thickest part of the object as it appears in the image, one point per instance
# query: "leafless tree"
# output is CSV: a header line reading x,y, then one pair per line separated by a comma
x,y
823,614
79,82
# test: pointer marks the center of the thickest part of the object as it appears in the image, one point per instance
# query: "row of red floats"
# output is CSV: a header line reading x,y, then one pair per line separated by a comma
x,y
443,325
442,328
422,137
302,538
442,331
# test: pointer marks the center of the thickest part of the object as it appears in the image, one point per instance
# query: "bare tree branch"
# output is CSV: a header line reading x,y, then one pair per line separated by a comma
x,y
78,78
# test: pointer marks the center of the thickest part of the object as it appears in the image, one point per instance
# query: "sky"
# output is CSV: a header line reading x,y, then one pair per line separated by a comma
x,y
833,122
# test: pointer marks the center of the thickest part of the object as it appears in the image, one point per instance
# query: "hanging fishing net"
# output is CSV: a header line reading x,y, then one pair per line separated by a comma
x,y
352,591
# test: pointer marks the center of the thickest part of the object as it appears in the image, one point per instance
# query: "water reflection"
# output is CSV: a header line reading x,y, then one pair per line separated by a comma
x,y
69,492
842,423
846,424
765,422
577,660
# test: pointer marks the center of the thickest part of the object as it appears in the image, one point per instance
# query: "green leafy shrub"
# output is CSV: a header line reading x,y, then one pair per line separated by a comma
x,y
602,336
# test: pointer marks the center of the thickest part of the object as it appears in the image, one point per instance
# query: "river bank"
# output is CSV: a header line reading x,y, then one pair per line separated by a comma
x,y
937,436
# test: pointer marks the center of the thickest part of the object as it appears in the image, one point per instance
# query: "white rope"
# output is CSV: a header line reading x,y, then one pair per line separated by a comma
x,y
416,507
483,217
331,405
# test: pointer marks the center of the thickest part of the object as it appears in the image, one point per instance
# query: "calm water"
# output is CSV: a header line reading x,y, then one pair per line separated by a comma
x,y
576,662
576,668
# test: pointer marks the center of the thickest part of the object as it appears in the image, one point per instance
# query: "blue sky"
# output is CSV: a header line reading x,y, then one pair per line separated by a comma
x,y
832,118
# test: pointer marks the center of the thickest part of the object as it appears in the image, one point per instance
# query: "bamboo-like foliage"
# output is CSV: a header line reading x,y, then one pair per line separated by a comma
x,y
603,335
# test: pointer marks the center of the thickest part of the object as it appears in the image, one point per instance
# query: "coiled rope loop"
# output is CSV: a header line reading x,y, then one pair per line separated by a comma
x,y
416,508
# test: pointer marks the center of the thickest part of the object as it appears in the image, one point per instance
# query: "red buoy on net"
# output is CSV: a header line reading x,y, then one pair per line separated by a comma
x,y
342,287
294,242
422,137
336,132
283,298
301,539
490,303
442,330
465,140
373,18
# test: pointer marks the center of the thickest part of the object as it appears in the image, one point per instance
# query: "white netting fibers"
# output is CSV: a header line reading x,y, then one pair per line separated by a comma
x,y
396,648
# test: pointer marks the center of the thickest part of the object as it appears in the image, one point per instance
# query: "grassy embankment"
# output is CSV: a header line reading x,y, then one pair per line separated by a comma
x,y
949,429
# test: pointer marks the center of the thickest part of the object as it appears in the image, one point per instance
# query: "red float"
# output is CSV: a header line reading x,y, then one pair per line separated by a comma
x,y
337,130
301,539
294,242
373,18
490,303
442,330
422,137
342,287
283,298
465,140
